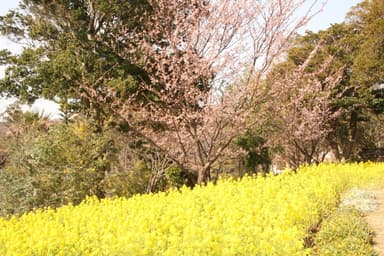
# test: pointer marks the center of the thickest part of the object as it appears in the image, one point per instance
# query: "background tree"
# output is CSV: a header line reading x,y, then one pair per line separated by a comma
x,y
68,43
368,66
355,49
304,112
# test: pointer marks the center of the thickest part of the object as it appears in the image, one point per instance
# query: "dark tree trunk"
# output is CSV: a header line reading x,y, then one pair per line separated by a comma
x,y
352,133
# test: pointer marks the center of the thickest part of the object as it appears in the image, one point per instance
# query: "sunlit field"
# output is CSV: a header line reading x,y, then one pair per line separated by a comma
x,y
253,216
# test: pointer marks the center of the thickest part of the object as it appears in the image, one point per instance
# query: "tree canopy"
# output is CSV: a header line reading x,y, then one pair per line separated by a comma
x,y
69,43
356,48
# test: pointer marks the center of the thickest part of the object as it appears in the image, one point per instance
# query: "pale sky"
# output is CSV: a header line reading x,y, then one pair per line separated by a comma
x,y
333,12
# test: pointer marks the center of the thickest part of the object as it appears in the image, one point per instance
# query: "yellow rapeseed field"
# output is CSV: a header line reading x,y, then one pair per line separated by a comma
x,y
253,216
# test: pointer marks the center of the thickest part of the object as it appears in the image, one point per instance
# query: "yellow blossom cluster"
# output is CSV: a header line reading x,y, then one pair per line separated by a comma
x,y
253,216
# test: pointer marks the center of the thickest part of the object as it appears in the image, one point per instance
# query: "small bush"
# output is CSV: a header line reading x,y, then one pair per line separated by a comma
x,y
176,177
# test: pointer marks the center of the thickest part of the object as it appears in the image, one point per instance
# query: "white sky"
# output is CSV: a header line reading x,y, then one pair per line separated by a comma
x,y
334,12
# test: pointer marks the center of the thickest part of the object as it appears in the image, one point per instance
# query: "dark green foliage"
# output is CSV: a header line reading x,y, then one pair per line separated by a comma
x,y
258,156
175,177
71,44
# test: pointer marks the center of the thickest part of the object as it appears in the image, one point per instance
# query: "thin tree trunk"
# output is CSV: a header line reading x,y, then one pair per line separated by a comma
x,y
332,141
352,133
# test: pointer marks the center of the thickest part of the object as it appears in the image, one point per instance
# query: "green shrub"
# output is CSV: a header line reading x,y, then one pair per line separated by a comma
x,y
176,177
62,165
128,180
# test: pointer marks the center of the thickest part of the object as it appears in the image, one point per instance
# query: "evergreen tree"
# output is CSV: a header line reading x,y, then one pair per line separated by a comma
x,y
69,44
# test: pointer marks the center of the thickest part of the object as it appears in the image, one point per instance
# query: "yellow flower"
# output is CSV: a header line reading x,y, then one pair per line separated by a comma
x,y
253,216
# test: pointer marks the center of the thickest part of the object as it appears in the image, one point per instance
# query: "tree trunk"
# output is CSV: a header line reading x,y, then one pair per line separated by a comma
x,y
352,133
334,145
204,175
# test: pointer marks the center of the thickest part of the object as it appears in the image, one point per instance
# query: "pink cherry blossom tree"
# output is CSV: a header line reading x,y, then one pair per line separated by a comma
x,y
305,111
206,62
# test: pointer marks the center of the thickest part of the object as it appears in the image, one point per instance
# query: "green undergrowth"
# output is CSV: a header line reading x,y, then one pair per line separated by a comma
x,y
345,232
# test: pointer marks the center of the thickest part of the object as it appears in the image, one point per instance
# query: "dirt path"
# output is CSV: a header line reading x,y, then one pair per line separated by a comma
x,y
376,221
